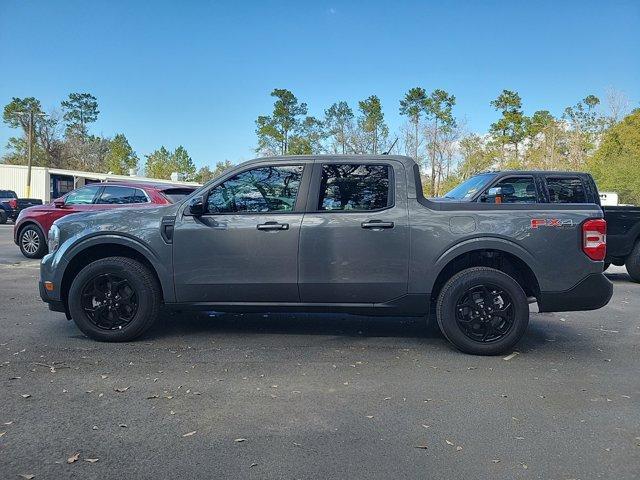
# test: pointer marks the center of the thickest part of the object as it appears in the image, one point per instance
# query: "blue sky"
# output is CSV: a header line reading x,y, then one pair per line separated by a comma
x,y
198,73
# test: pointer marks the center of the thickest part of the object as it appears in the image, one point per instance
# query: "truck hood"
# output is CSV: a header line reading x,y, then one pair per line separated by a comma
x,y
130,222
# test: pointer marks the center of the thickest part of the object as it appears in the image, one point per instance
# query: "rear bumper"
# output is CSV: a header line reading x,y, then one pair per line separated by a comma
x,y
593,292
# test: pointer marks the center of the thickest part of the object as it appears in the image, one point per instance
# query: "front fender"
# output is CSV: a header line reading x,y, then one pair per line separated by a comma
x,y
68,252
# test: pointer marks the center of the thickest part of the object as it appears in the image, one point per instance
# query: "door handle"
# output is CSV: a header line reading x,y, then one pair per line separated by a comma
x,y
273,226
375,224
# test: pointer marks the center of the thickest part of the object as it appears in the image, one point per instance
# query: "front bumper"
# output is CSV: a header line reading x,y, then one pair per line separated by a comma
x,y
54,305
591,293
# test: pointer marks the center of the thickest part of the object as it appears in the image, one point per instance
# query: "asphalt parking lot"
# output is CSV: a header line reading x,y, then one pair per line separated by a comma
x,y
314,396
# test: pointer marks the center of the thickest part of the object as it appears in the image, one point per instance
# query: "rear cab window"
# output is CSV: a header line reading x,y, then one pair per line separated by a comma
x,y
566,189
7,194
355,187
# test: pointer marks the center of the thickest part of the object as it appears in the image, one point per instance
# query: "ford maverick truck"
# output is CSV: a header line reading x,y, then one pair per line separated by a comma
x,y
331,234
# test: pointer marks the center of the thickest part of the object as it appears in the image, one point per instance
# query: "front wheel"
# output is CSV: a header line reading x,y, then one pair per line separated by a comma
x,y
32,242
482,311
115,299
3,217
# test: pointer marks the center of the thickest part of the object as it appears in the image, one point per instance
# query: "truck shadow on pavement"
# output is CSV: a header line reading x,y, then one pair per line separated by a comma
x,y
539,335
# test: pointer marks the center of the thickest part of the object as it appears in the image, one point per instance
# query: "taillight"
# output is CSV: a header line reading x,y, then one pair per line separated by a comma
x,y
13,203
594,238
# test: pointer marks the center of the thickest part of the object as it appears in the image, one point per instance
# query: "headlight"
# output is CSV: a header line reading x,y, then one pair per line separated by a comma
x,y
54,238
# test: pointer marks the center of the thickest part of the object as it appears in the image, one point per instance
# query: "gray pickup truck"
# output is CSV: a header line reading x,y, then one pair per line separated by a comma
x,y
329,234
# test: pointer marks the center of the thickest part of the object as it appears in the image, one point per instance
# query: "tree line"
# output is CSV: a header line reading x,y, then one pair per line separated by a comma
x,y
440,142
61,139
583,137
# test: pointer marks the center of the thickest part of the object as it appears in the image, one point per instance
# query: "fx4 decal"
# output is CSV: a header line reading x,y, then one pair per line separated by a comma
x,y
551,222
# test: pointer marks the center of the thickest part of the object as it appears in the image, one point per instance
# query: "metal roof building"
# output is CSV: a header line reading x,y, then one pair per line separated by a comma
x,y
48,184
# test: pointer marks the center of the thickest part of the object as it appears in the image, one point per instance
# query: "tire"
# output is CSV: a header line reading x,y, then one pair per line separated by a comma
x,y
32,242
633,263
606,266
491,281
3,217
138,279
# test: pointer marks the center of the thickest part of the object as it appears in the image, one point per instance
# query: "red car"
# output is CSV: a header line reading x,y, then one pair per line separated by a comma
x,y
32,225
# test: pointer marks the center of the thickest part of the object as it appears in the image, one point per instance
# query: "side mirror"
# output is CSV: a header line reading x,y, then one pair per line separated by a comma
x,y
58,203
196,206
493,195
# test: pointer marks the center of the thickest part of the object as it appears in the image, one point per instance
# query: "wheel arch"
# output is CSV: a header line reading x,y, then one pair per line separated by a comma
x,y
113,246
499,254
27,223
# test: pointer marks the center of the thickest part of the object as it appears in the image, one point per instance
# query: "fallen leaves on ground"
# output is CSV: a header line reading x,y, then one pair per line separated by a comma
x,y
240,440
421,447
121,389
73,458
27,476
189,434
91,460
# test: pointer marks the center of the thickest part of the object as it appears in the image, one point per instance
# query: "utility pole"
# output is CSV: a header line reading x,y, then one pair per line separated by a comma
x,y
29,154
32,114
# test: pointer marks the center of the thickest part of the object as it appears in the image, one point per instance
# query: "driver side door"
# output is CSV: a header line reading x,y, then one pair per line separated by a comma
x,y
244,248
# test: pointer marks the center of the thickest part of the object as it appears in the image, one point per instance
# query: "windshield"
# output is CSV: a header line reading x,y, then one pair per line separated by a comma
x,y
470,187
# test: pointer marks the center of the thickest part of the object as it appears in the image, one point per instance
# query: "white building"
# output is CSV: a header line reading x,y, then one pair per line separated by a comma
x,y
48,184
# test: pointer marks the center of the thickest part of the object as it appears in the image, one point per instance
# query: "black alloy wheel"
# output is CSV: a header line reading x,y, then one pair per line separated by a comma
x,y
109,301
482,311
485,313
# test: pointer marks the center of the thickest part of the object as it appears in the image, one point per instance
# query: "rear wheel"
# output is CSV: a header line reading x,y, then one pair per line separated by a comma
x,y
32,242
482,311
115,299
633,263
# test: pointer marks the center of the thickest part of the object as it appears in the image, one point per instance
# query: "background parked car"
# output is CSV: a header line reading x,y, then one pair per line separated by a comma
x,y
32,225
11,205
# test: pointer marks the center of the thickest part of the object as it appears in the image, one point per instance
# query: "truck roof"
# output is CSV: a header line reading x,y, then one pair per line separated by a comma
x,y
401,158
533,172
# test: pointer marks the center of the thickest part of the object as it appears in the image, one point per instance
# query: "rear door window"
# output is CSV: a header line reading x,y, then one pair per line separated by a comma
x,y
354,187
566,190
512,190
112,195
139,196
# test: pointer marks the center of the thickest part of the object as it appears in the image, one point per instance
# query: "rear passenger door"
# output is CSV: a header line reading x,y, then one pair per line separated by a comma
x,y
354,238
